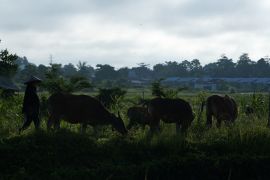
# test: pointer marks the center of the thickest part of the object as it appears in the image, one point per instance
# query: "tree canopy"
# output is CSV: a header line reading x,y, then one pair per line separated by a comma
x,y
107,75
8,66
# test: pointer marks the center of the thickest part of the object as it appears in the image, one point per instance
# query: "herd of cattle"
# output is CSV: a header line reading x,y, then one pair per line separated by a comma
x,y
86,110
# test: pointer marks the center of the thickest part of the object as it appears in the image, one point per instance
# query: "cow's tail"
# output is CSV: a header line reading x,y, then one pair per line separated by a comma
x,y
201,110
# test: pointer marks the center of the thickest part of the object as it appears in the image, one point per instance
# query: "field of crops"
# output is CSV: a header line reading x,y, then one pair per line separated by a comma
x,y
237,152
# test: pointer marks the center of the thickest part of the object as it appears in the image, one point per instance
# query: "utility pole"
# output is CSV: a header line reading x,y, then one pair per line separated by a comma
x,y
51,59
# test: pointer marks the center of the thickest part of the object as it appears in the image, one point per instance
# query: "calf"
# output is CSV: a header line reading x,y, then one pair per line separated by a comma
x,y
138,115
220,107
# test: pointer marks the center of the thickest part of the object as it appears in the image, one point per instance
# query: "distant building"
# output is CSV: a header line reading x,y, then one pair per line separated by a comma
x,y
212,84
206,86
137,82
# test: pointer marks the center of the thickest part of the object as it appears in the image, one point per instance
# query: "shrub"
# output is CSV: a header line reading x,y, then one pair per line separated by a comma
x,y
110,97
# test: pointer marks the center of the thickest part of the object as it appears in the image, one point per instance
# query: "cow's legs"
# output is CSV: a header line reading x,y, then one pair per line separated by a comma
x,y
56,124
184,127
178,127
96,131
53,119
155,126
228,123
27,121
218,123
209,120
83,128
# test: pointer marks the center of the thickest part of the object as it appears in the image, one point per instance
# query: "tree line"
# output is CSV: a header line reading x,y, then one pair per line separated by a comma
x,y
19,68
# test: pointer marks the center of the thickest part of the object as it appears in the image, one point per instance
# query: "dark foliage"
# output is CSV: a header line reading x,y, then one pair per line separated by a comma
x,y
55,82
107,76
157,89
109,97
67,155
8,66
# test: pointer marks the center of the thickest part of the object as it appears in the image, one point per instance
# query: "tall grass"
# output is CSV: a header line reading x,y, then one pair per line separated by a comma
x,y
242,150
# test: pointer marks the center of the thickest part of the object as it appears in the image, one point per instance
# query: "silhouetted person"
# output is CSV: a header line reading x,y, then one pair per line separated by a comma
x,y
31,104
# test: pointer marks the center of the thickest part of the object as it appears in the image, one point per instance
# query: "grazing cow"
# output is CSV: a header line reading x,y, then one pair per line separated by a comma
x,y
81,109
138,115
168,110
222,108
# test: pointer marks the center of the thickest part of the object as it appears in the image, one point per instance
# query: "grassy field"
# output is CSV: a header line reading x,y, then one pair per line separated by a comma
x,y
238,152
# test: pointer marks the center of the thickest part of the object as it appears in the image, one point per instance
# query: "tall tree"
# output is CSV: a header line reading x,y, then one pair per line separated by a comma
x,y
24,74
41,71
8,66
70,70
105,72
186,66
84,70
55,82
123,73
244,66
143,71
262,68
225,67
169,69
211,69
196,69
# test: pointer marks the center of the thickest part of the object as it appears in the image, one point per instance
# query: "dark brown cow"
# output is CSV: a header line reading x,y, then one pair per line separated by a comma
x,y
138,115
222,108
176,111
81,109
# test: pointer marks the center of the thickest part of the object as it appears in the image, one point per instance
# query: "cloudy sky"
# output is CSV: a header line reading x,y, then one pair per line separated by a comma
x,y
127,32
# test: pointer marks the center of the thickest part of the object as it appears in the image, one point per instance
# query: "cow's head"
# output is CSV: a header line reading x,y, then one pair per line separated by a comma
x,y
118,124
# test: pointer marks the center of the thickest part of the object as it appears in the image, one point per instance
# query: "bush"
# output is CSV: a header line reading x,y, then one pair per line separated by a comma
x,y
55,82
110,97
159,91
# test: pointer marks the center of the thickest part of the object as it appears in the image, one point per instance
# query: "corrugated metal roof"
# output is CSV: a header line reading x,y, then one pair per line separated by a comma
x,y
207,79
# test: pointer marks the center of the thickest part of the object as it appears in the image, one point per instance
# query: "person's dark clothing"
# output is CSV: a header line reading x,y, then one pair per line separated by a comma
x,y
30,107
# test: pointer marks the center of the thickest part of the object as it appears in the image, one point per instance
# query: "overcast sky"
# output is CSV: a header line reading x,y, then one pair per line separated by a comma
x,y
127,32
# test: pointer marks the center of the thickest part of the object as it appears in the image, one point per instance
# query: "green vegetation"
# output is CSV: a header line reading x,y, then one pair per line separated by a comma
x,y
110,97
242,151
55,82
107,76
8,67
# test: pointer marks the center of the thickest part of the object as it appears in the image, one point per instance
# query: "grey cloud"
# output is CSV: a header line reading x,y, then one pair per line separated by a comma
x,y
38,15
190,19
49,15
210,17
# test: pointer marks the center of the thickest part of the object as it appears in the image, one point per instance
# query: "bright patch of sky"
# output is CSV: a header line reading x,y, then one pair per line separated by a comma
x,y
126,32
